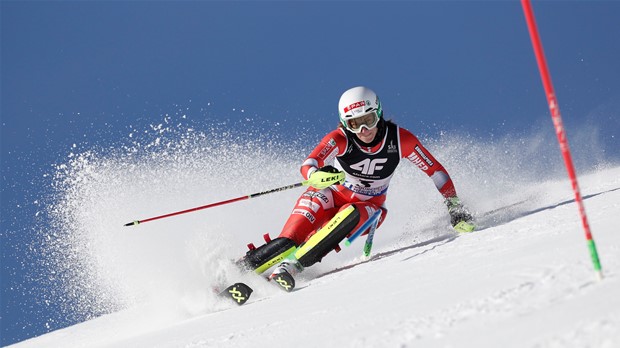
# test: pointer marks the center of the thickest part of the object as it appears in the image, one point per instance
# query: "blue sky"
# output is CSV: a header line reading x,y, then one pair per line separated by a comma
x,y
80,75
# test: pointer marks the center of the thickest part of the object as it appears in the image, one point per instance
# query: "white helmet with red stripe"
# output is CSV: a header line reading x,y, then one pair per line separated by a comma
x,y
359,107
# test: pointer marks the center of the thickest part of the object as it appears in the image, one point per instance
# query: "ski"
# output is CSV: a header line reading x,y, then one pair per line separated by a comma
x,y
238,292
464,227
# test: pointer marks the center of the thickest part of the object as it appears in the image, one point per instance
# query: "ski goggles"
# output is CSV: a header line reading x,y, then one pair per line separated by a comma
x,y
368,120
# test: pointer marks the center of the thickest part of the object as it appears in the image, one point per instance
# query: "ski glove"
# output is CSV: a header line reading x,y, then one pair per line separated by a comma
x,y
325,177
460,218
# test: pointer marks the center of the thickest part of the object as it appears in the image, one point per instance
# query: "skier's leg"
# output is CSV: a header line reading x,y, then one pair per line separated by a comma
x,y
350,217
370,209
318,244
311,210
273,252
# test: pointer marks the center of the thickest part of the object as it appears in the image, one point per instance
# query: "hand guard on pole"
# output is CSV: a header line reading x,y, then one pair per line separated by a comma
x,y
325,177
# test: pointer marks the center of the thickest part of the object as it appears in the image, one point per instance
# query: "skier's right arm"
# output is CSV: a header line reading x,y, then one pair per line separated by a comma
x,y
332,145
317,168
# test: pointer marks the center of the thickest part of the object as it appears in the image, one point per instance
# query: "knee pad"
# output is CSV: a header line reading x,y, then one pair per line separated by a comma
x,y
269,254
328,237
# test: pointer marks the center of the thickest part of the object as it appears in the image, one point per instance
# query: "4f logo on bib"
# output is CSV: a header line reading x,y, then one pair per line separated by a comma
x,y
368,166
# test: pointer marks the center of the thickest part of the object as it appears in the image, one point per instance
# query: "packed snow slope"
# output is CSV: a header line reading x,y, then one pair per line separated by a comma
x,y
523,279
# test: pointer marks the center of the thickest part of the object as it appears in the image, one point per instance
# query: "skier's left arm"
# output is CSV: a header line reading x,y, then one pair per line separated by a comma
x,y
416,153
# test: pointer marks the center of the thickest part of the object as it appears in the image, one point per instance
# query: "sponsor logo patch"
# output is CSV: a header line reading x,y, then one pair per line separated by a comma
x,y
326,150
306,214
368,166
423,155
309,204
370,210
355,105
392,148
368,191
417,161
318,195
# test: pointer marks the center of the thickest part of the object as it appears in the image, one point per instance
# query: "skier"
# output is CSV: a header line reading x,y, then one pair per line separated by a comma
x,y
349,173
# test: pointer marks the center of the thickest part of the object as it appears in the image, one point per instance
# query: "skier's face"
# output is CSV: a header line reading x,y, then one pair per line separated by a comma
x,y
367,135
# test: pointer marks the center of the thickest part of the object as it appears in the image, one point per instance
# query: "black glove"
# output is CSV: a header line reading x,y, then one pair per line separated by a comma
x,y
328,169
457,211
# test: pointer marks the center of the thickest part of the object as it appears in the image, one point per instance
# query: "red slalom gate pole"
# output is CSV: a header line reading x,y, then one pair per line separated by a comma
x,y
559,129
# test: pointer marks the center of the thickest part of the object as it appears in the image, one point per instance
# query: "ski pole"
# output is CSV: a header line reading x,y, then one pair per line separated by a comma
x,y
369,238
559,130
254,195
368,223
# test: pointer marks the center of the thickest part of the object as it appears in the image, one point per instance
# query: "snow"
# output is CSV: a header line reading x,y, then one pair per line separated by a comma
x,y
524,279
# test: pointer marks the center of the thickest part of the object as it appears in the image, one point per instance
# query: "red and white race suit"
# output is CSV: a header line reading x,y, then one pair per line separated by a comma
x,y
368,171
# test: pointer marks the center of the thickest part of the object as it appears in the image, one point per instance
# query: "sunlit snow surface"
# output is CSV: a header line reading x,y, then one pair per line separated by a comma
x,y
524,279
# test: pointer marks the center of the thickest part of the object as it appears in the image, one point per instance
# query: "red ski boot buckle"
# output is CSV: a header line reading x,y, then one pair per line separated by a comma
x,y
267,238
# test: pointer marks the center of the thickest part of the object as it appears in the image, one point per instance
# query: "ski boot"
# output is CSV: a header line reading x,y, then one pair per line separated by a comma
x,y
460,218
267,255
283,274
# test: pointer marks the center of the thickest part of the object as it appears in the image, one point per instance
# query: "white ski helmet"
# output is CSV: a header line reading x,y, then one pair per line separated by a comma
x,y
359,107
